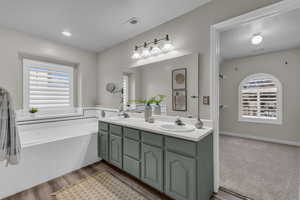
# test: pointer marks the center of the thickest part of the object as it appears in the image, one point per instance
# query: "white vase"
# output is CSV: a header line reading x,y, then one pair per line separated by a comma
x,y
148,112
157,109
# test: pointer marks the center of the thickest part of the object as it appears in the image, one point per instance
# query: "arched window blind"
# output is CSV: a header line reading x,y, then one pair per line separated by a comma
x,y
260,97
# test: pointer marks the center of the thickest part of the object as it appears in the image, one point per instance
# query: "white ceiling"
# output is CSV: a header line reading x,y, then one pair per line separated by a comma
x,y
279,32
95,24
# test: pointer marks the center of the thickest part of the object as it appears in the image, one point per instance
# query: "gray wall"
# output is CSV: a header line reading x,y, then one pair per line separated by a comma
x,y
13,43
236,70
189,32
157,79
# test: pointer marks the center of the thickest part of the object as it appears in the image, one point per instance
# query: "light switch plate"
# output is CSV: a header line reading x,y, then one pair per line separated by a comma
x,y
206,100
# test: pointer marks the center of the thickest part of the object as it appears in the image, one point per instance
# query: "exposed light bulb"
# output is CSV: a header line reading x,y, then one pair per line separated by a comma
x,y
168,46
146,53
136,55
256,39
155,50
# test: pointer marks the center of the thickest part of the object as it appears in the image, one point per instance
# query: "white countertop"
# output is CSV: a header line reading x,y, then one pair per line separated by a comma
x,y
139,123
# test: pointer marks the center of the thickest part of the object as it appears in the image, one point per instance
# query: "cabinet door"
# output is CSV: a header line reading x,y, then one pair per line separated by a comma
x,y
115,150
152,166
180,177
103,145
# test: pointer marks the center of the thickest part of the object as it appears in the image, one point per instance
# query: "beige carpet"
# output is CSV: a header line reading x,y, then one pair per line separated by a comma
x,y
102,186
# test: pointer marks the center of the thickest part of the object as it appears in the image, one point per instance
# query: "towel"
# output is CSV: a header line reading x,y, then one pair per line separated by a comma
x,y
10,147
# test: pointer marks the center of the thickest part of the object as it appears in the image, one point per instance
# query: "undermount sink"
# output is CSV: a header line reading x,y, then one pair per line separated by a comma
x,y
176,128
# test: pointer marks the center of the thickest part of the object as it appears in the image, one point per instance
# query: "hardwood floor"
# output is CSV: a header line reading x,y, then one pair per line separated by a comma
x,y
43,191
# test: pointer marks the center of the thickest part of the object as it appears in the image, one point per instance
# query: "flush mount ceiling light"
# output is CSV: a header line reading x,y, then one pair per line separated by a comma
x,y
257,39
152,48
66,33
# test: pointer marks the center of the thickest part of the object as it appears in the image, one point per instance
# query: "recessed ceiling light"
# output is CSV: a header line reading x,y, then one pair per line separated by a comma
x,y
66,33
256,39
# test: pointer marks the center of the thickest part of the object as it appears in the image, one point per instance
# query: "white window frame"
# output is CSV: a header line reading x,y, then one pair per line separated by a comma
x,y
279,101
125,80
70,69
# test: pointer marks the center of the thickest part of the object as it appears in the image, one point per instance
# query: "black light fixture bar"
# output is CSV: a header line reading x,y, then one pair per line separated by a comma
x,y
155,41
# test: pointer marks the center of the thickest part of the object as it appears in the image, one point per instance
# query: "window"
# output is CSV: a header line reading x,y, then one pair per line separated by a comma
x,y
125,91
260,99
47,85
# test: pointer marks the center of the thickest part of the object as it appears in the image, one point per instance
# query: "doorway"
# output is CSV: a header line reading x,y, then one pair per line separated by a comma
x,y
236,129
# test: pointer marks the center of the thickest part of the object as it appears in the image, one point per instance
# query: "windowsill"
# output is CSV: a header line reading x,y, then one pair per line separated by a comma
x,y
260,121
45,117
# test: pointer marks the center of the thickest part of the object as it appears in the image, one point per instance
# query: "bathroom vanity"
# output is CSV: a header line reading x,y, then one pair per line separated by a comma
x,y
179,164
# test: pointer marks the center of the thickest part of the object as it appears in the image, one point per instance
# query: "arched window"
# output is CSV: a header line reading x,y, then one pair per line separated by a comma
x,y
260,99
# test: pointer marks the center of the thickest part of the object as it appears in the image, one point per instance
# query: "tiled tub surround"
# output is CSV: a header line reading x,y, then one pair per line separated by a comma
x,y
260,170
177,164
50,150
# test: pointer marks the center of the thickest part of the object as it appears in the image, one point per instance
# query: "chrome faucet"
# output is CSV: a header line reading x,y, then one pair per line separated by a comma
x,y
122,113
179,122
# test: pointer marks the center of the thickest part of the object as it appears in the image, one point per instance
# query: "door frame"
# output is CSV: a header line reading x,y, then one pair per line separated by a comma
x,y
215,30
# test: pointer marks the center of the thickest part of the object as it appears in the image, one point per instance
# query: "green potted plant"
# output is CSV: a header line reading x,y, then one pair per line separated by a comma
x,y
157,100
32,111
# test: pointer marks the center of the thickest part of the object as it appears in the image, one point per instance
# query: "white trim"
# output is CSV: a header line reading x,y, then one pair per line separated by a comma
x,y
269,11
263,139
275,9
215,101
279,100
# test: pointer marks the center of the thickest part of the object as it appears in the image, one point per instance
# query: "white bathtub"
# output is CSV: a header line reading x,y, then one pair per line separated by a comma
x,y
50,150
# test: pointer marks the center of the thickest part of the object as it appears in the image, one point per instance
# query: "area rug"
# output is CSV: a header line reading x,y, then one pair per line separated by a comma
x,y
101,186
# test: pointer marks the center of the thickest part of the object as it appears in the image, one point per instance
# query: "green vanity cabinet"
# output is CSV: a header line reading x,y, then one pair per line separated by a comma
x,y
115,150
182,169
103,147
152,166
180,176
103,140
132,152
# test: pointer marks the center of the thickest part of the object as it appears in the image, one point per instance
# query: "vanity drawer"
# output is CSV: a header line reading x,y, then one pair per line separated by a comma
x,y
132,148
181,146
103,126
132,133
153,139
132,166
115,130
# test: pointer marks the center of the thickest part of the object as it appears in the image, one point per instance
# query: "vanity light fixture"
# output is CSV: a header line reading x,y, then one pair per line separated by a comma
x,y
168,45
257,39
136,54
146,52
153,48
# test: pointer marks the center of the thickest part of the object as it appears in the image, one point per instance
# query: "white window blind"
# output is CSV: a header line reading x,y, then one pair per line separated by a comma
x,y
125,91
260,99
47,85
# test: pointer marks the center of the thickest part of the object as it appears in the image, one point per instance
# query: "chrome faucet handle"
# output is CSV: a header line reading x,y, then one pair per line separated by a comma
x,y
179,122
124,114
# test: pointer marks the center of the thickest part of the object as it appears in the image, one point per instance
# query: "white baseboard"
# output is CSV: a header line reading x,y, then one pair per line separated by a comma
x,y
264,139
